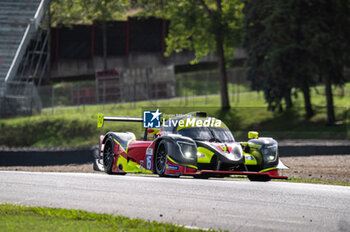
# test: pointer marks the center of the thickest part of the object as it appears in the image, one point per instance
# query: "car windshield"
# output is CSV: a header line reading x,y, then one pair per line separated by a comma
x,y
223,134
197,133
207,134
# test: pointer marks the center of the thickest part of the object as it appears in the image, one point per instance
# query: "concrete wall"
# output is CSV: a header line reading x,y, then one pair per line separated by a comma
x,y
76,67
79,67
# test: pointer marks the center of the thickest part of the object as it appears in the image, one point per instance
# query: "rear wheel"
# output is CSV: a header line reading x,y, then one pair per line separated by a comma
x,y
161,159
108,156
98,164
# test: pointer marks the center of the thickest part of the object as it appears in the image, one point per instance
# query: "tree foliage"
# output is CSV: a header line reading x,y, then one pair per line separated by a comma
x,y
294,44
328,32
257,42
202,26
86,11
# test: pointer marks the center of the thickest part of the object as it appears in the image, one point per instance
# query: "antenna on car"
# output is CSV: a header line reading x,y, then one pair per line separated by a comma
x,y
199,114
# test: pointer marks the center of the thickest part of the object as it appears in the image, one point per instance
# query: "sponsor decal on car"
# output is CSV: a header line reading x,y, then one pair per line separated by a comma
x,y
200,155
223,147
149,154
173,167
141,164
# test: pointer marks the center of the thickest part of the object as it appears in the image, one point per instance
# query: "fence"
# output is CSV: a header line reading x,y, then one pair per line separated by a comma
x,y
141,84
207,83
113,87
129,85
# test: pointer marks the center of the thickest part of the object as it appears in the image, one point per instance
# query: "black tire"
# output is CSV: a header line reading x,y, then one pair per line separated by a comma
x,y
203,177
108,155
161,159
262,178
97,164
214,162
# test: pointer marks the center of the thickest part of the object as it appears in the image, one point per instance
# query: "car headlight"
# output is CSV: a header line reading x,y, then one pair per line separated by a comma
x,y
188,150
269,153
237,152
188,154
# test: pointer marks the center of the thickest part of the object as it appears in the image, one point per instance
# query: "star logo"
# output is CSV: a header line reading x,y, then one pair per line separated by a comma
x,y
155,114
151,119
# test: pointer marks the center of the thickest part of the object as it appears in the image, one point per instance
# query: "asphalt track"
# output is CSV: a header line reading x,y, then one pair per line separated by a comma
x,y
234,205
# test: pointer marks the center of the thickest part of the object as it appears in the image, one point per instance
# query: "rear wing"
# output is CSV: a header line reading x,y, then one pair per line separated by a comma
x,y
101,119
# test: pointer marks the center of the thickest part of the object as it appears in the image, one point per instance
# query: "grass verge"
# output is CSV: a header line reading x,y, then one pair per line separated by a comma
x,y
22,218
315,181
301,180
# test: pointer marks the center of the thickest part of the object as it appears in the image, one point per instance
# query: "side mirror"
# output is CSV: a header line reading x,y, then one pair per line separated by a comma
x,y
253,135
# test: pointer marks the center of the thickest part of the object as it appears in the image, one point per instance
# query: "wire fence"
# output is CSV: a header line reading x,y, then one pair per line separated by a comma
x,y
113,86
207,83
118,86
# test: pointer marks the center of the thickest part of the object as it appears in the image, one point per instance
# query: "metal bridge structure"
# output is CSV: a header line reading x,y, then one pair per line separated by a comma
x,y
24,55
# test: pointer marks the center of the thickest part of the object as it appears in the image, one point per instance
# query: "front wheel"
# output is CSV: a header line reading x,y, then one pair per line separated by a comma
x,y
108,156
161,159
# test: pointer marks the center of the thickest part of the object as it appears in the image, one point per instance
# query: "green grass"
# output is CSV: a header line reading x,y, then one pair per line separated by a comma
x,y
22,218
315,181
207,83
299,180
76,126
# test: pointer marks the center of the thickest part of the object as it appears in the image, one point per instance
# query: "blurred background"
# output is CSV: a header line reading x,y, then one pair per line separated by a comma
x,y
280,67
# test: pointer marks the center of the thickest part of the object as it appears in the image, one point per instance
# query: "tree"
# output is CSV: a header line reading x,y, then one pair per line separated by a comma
x,y
291,43
289,59
328,32
103,11
257,44
265,68
67,12
202,26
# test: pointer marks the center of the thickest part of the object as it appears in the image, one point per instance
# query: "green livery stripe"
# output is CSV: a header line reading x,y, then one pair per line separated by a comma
x,y
268,169
190,166
127,146
207,155
253,145
171,159
248,161
131,166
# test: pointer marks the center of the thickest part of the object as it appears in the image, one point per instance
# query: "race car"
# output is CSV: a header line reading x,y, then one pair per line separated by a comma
x,y
188,145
